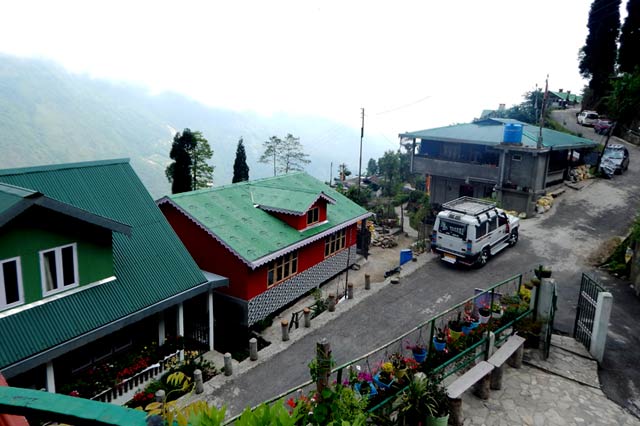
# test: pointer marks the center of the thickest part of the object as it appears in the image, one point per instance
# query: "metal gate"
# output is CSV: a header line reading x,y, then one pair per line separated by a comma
x,y
586,310
549,328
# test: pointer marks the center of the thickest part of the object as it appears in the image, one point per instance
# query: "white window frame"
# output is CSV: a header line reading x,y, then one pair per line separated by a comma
x,y
59,269
3,294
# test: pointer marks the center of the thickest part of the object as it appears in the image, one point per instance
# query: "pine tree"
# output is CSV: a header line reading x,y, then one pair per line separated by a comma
x,y
372,167
271,151
598,55
286,154
189,170
629,52
240,168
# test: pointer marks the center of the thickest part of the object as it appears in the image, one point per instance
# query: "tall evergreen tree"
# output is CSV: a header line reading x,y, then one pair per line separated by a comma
x,y
179,172
598,55
240,168
189,170
372,167
629,52
271,151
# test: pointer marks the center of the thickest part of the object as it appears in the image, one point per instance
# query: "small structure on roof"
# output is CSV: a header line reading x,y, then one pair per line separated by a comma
x,y
275,238
496,156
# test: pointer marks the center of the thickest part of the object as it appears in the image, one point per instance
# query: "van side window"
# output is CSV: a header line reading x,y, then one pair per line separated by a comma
x,y
502,220
493,223
481,230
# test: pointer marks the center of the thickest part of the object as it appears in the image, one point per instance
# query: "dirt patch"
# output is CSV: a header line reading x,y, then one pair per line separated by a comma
x,y
604,251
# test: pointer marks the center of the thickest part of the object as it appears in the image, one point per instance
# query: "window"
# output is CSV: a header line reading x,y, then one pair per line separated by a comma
x,y
282,268
502,219
335,242
516,157
481,230
313,215
10,283
58,268
455,229
493,223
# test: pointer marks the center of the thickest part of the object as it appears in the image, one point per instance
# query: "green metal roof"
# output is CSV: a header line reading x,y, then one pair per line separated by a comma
x,y
564,95
491,132
151,265
233,216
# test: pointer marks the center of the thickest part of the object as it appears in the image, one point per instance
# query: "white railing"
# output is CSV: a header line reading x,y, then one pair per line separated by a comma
x,y
138,379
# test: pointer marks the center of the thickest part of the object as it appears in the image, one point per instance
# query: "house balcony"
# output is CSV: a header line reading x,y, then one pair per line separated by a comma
x,y
455,169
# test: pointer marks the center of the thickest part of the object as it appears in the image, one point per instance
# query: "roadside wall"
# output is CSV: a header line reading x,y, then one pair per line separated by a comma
x,y
634,276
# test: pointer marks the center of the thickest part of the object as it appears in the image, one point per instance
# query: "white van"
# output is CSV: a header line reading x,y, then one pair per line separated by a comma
x,y
587,118
470,231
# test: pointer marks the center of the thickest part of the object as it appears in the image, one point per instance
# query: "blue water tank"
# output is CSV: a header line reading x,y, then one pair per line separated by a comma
x,y
405,256
512,133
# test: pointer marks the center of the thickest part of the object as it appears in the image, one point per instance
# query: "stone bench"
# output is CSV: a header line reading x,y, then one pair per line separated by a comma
x,y
511,352
478,374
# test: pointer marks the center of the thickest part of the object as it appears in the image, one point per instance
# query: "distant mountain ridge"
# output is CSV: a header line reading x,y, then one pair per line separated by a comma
x,y
49,115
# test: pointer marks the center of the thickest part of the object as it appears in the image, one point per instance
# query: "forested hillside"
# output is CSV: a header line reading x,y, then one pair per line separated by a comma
x,y
48,115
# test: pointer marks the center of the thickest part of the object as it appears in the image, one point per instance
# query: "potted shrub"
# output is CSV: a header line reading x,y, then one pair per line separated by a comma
x,y
542,272
440,340
438,409
384,377
362,382
419,351
455,328
531,330
484,313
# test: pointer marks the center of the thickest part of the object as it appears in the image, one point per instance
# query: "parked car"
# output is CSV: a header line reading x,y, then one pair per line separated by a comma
x,y
587,118
602,126
615,160
470,231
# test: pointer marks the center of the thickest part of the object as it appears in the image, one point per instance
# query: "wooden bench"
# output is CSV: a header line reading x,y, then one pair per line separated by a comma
x,y
511,352
478,374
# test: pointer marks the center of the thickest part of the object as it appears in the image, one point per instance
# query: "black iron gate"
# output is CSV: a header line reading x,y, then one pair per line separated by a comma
x,y
586,310
549,329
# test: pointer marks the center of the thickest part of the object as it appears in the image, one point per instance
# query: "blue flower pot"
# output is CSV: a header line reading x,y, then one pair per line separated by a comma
x,y
420,356
466,330
439,345
475,324
381,384
372,389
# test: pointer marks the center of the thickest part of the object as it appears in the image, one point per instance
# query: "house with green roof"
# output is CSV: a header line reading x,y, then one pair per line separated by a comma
x,y
274,238
89,265
563,98
512,160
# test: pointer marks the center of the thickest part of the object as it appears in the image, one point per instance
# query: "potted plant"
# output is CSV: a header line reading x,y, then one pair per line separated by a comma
x,y
403,367
542,272
484,313
362,382
419,351
440,340
455,328
384,377
531,330
438,409
496,310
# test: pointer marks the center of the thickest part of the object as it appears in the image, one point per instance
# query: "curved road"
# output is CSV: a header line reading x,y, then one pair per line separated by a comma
x,y
563,238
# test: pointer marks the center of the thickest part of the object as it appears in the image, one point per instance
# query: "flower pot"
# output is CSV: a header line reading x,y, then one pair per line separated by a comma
x,y
543,273
437,421
466,329
420,356
497,315
438,345
382,385
455,335
484,319
360,391
475,324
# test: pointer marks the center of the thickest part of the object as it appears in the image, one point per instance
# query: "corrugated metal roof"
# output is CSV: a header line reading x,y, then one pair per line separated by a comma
x,y
491,132
232,214
150,265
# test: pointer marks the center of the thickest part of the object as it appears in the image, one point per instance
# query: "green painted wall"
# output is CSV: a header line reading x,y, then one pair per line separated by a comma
x,y
39,229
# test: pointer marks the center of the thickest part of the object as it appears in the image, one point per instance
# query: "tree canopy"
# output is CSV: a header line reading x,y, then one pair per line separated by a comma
x,y
598,55
189,170
629,51
286,154
372,167
240,167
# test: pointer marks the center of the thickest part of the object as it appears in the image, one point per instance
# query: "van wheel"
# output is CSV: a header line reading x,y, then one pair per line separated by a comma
x,y
484,257
513,238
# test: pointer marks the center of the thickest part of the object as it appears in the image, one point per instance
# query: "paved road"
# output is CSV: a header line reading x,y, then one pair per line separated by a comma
x,y
562,238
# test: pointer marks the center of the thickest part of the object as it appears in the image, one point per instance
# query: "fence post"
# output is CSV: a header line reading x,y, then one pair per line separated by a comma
x,y
307,317
367,282
228,365
331,303
253,349
544,300
323,362
349,290
285,330
197,378
601,325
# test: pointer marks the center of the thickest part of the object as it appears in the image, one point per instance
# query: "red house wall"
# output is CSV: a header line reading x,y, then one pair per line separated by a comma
x,y
208,253
244,283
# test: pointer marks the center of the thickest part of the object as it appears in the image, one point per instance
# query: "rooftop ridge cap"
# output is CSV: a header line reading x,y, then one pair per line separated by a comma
x,y
246,183
62,166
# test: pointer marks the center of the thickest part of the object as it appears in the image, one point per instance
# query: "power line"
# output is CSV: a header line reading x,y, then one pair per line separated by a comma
x,y
404,106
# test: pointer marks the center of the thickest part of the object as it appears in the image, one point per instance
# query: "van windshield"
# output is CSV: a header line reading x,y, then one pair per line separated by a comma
x,y
454,229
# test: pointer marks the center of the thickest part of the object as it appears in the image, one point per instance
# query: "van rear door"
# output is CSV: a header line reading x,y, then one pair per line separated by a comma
x,y
452,235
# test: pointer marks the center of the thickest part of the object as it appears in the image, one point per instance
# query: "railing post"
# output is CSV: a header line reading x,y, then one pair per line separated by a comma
x,y
323,362
601,325
253,349
307,317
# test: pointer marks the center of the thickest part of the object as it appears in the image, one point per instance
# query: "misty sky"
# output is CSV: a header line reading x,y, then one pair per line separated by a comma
x,y
411,64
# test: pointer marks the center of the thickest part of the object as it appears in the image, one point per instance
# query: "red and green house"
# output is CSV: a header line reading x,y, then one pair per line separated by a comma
x,y
88,264
274,238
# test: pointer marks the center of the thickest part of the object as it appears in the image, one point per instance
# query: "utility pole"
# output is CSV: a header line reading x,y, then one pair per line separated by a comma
x,y
360,161
331,175
544,104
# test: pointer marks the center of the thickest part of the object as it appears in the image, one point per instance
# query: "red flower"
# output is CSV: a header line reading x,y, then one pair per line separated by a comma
x,y
291,403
